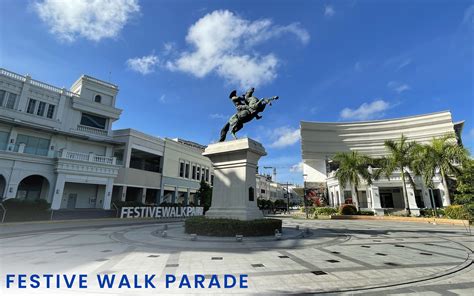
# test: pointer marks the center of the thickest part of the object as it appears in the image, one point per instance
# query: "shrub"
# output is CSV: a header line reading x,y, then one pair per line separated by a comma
x,y
327,211
26,210
347,209
231,227
397,213
21,204
457,212
366,213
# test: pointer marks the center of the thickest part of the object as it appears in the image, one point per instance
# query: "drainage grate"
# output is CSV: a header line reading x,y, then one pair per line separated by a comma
x,y
283,257
334,252
399,246
106,251
60,252
318,272
216,258
258,265
332,261
392,264
427,254
365,246
154,256
172,265
381,254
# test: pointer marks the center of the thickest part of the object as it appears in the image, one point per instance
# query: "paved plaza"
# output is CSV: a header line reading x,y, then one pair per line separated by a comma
x,y
322,256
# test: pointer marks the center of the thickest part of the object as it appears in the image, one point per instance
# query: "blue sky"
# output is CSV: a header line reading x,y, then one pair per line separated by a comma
x,y
176,61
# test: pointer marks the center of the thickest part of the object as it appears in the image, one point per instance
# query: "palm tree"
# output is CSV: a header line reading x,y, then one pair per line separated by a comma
x,y
444,155
352,167
401,157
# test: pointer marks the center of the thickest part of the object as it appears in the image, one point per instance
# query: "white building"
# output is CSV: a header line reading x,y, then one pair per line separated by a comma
x,y
270,190
55,143
322,140
58,145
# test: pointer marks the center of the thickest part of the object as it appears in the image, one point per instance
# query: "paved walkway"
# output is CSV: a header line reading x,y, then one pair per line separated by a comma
x,y
334,257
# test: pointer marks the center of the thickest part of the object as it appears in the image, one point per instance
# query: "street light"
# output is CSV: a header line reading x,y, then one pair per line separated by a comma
x,y
304,196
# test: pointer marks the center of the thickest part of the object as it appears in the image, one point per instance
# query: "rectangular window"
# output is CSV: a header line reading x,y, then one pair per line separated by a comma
x,y
203,173
181,169
212,180
198,174
41,108
194,173
207,175
2,96
11,101
33,145
93,121
31,106
186,171
50,111
3,141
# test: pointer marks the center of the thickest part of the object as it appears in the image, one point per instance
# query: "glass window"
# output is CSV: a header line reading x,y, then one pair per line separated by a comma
x,y
198,174
41,108
11,101
33,145
207,175
212,180
50,111
2,96
31,106
194,173
181,169
98,99
186,171
3,140
93,121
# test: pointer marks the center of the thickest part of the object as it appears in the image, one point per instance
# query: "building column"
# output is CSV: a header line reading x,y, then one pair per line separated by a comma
x,y
23,97
426,196
108,194
446,202
58,192
412,201
123,193
161,194
186,197
143,195
376,205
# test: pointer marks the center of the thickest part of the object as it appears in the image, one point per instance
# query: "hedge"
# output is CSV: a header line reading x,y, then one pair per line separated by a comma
x,y
347,209
231,227
457,212
327,211
26,210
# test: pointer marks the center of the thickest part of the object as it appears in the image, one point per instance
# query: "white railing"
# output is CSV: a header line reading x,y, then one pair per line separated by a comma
x,y
12,75
89,157
37,83
91,130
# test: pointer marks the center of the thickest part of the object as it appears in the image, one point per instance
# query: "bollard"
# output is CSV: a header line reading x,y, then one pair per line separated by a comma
x,y
276,231
277,236
239,237
297,227
193,236
164,233
306,230
165,227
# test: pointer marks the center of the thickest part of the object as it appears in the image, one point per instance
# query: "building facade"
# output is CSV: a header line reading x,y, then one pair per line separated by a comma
x,y
58,145
322,140
271,190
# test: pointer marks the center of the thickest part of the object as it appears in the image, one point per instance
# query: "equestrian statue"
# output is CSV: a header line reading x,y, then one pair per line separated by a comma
x,y
248,108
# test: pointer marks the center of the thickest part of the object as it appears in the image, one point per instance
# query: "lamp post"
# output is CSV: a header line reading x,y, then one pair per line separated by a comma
x,y
304,196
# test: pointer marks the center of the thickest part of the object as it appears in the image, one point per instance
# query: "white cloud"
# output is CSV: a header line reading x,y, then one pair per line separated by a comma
x,y
366,111
297,168
285,136
404,63
224,44
469,16
163,98
93,19
398,87
329,11
144,65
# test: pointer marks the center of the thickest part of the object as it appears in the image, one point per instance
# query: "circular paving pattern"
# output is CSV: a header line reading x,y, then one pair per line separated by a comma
x,y
369,257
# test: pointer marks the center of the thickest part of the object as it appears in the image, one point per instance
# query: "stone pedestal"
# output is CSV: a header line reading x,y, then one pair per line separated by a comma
x,y
235,166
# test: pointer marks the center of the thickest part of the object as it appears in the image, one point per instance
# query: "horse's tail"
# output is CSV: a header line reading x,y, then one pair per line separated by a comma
x,y
224,131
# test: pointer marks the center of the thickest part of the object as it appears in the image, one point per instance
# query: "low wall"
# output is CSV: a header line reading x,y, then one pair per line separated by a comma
x,y
401,219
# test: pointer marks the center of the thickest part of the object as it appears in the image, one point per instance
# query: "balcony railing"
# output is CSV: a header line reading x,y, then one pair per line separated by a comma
x,y
91,130
89,157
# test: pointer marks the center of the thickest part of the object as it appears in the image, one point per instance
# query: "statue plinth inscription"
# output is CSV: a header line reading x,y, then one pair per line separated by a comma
x,y
235,164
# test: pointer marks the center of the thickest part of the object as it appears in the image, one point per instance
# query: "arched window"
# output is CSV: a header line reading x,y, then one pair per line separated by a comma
x,y
98,99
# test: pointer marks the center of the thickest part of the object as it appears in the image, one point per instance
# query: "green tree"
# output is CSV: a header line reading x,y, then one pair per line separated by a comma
x,y
465,184
444,155
353,167
204,194
401,157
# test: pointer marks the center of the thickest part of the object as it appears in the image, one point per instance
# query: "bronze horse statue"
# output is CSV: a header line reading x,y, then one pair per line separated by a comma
x,y
248,108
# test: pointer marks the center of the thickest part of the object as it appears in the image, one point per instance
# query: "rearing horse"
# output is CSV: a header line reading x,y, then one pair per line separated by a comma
x,y
253,107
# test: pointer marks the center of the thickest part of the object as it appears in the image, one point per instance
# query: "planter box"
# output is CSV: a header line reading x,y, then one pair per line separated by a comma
x,y
401,219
